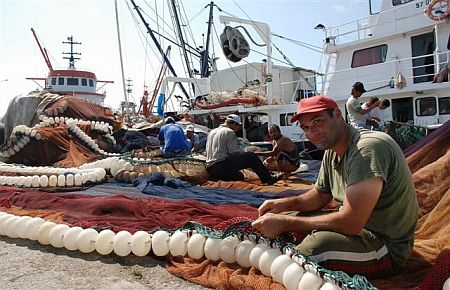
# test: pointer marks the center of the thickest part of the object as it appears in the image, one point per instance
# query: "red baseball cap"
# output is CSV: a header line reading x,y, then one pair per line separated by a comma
x,y
312,105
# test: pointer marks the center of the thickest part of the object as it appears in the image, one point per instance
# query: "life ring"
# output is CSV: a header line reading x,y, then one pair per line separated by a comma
x,y
437,17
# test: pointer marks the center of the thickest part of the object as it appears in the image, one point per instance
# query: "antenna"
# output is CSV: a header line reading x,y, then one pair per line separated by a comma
x,y
71,53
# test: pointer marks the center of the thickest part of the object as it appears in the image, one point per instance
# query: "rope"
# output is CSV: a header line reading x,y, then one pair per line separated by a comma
x,y
286,244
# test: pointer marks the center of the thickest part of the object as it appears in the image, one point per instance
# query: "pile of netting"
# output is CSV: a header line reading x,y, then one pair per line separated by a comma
x,y
405,134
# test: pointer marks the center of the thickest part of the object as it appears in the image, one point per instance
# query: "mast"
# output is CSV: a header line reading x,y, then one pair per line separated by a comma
x,y
121,62
204,67
71,53
158,46
180,35
43,51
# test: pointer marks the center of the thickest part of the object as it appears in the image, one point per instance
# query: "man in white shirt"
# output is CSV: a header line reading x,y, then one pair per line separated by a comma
x,y
356,114
192,138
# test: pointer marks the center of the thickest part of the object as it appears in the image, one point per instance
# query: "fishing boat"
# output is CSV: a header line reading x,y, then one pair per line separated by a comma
x,y
400,52
80,84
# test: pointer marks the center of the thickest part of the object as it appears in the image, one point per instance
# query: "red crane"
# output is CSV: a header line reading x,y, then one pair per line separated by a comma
x,y
43,51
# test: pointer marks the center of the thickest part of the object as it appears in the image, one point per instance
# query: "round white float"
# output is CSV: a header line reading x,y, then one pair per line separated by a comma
x,y
77,180
43,232
32,228
56,235
310,281
22,227
228,248
292,276
70,238
10,227
141,243
278,267
265,262
242,253
69,180
122,243
52,181
212,251
178,244
86,240
104,244
27,181
160,243
3,220
43,181
35,181
256,253
446,284
331,286
196,246
61,180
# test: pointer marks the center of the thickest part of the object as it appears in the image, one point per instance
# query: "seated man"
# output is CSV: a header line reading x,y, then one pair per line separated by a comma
x,y
224,157
372,233
192,139
284,156
171,136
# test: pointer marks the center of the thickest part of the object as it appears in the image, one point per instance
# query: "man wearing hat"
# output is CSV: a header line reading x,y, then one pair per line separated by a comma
x,y
358,115
372,233
224,157
192,138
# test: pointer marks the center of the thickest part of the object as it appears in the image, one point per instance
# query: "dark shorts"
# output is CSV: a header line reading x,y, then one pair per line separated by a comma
x,y
283,156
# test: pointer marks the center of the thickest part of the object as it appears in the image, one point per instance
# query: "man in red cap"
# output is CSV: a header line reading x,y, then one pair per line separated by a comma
x,y
372,233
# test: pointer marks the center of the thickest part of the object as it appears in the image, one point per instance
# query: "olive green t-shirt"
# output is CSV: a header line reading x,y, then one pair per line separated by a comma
x,y
375,154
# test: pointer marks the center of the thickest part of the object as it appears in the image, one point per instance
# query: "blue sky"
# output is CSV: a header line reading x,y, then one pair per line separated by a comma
x,y
92,22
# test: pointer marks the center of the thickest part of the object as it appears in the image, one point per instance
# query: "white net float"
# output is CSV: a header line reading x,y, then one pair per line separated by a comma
x,y
35,181
256,253
52,181
178,244
22,226
212,249
104,244
292,276
32,228
122,243
265,262
310,281
228,248
9,227
86,240
141,243
242,253
70,238
3,218
43,181
332,286
77,179
278,267
61,180
56,235
196,246
43,232
69,180
160,243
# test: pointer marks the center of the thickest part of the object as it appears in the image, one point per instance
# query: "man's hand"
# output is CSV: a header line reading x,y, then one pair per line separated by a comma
x,y
272,206
271,225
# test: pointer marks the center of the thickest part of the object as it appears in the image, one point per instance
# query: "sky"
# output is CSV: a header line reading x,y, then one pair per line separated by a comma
x,y
93,23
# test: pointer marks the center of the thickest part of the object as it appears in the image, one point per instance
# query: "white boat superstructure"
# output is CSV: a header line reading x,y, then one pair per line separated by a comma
x,y
396,53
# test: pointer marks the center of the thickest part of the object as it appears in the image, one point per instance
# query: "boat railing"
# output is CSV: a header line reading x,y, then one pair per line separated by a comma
x,y
365,27
384,73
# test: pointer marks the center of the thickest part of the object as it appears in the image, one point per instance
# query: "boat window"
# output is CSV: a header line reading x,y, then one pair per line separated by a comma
x,y
368,56
285,119
400,2
84,82
444,106
60,81
91,83
72,81
375,6
426,106
53,81
423,47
